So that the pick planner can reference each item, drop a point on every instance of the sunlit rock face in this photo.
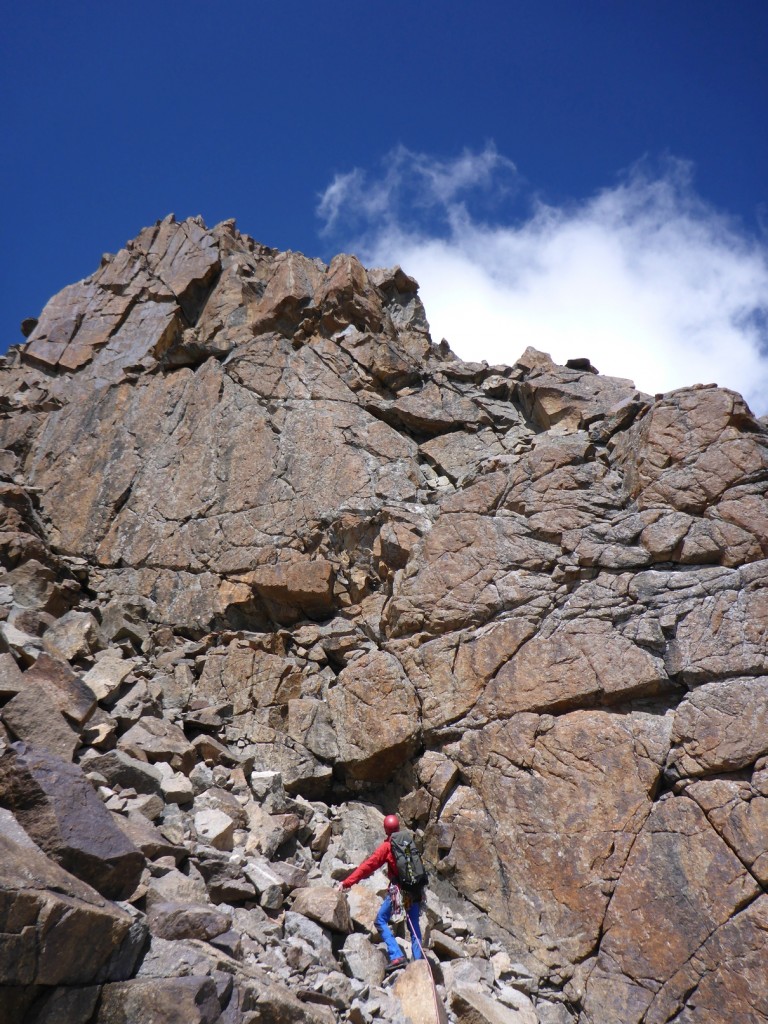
(246, 497)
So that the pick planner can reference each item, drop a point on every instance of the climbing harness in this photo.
(396, 898)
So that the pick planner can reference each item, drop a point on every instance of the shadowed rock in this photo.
(56, 929)
(60, 810)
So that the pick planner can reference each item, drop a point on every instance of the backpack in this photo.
(411, 873)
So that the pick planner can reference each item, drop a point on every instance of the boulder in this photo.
(147, 838)
(363, 907)
(141, 700)
(176, 886)
(277, 1005)
(69, 692)
(208, 748)
(444, 946)
(297, 588)
(75, 1005)
(268, 832)
(170, 1000)
(119, 769)
(327, 907)
(299, 928)
(156, 739)
(187, 921)
(433, 410)
(177, 788)
(59, 809)
(363, 960)
(473, 1006)
(215, 828)
(469, 972)
(374, 710)
(73, 637)
(268, 884)
(11, 680)
(293, 876)
(100, 731)
(569, 399)
(39, 586)
(416, 995)
(25, 648)
(57, 929)
(32, 717)
(267, 788)
(224, 877)
(107, 675)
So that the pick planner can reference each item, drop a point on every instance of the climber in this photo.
(411, 901)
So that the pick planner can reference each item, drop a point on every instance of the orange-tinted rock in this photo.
(376, 716)
(740, 816)
(726, 634)
(553, 396)
(451, 672)
(155, 739)
(69, 693)
(681, 883)
(297, 588)
(328, 907)
(724, 982)
(561, 484)
(721, 727)
(191, 1000)
(696, 451)
(133, 308)
(579, 662)
(466, 570)
(542, 833)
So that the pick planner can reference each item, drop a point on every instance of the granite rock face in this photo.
(272, 563)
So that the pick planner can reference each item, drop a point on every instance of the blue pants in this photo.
(414, 928)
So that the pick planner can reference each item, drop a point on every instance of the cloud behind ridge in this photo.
(644, 278)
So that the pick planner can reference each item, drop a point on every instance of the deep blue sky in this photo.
(114, 115)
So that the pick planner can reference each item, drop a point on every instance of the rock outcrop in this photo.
(273, 563)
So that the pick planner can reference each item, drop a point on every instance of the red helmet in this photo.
(391, 824)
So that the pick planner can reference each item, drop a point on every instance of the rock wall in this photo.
(275, 562)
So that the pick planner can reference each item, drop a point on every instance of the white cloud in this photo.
(410, 183)
(644, 278)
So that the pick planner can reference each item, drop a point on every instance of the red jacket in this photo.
(381, 855)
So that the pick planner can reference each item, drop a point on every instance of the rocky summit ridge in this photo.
(273, 563)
